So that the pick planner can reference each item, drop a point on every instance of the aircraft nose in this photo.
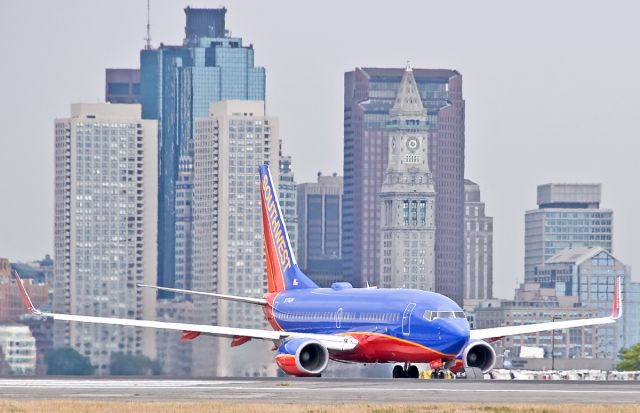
(456, 334)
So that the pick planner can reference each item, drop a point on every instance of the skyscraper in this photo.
(320, 229)
(568, 216)
(177, 85)
(122, 86)
(369, 95)
(229, 145)
(184, 223)
(407, 197)
(478, 245)
(105, 228)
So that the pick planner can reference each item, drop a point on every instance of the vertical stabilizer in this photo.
(283, 272)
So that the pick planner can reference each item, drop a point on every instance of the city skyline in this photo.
(541, 106)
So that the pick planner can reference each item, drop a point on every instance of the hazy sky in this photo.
(552, 92)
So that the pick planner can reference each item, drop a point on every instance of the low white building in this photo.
(19, 349)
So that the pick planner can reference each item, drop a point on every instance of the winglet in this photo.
(26, 300)
(616, 313)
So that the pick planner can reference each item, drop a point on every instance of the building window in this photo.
(414, 213)
(423, 213)
(405, 213)
(388, 212)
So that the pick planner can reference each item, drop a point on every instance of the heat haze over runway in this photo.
(323, 390)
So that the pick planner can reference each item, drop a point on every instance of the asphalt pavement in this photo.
(323, 390)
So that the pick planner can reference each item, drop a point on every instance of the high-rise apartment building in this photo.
(228, 248)
(122, 86)
(184, 224)
(287, 194)
(407, 197)
(478, 245)
(319, 251)
(177, 85)
(568, 216)
(105, 228)
(369, 96)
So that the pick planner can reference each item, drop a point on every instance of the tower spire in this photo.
(148, 38)
(408, 103)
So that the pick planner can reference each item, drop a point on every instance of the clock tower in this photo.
(407, 197)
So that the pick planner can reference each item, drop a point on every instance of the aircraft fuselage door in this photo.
(339, 318)
(406, 319)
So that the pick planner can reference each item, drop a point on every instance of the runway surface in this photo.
(308, 391)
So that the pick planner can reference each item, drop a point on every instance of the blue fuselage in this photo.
(397, 322)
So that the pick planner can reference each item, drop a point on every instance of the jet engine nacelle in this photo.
(479, 354)
(302, 357)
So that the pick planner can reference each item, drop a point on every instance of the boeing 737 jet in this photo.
(312, 325)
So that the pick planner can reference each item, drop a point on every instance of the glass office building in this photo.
(589, 274)
(568, 216)
(177, 84)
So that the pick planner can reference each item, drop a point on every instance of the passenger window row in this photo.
(345, 316)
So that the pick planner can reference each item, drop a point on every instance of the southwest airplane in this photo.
(356, 325)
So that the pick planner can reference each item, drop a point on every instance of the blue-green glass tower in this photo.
(177, 84)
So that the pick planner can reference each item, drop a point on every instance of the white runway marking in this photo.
(247, 386)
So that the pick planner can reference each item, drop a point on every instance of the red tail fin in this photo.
(283, 272)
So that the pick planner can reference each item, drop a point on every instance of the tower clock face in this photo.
(413, 144)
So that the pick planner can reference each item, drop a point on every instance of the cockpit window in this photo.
(432, 315)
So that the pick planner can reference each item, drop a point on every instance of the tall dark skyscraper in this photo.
(320, 229)
(369, 96)
(177, 85)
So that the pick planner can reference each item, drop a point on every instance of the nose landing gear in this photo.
(406, 372)
(438, 374)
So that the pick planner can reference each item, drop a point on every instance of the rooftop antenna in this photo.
(148, 38)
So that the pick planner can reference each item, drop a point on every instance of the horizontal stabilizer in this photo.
(250, 300)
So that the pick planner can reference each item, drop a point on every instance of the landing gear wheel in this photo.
(398, 372)
(439, 374)
(413, 372)
(473, 373)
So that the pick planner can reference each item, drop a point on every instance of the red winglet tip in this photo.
(28, 305)
(616, 313)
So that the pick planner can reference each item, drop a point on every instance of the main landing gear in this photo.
(406, 372)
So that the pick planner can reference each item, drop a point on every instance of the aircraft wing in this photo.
(250, 300)
(332, 342)
(497, 333)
